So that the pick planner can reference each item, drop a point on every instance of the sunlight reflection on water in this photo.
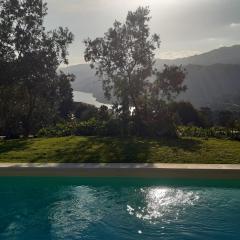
(164, 204)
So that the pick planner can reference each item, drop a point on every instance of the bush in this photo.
(216, 132)
(59, 130)
(83, 128)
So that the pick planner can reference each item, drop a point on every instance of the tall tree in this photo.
(33, 54)
(124, 60)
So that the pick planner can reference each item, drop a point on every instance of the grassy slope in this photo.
(94, 149)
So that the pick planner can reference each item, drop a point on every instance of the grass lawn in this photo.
(95, 149)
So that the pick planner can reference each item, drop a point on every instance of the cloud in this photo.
(234, 25)
(178, 54)
(91, 6)
(186, 27)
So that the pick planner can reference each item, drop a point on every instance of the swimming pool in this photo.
(118, 208)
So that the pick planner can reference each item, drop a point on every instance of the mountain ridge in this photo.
(234, 49)
(212, 77)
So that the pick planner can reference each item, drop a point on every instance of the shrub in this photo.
(217, 132)
(90, 127)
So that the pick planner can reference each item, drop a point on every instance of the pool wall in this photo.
(158, 170)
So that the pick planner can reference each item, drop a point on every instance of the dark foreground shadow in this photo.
(105, 150)
(98, 150)
(120, 150)
(186, 144)
(13, 145)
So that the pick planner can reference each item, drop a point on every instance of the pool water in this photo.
(115, 208)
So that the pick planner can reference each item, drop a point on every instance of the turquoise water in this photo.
(114, 209)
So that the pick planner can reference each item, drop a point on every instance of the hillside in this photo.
(223, 55)
(215, 86)
(213, 78)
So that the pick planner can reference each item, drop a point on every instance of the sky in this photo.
(186, 27)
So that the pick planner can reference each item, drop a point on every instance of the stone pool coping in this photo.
(146, 170)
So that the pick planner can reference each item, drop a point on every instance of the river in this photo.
(88, 98)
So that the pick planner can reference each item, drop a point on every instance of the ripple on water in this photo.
(75, 213)
(163, 204)
(117, 211)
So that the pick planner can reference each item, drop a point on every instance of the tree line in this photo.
(35, 98)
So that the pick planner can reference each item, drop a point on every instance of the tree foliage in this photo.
(124, 60)
(32, 92)
(186, 114)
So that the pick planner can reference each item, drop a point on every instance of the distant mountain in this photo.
(223, 55)
(213, 78)
(215, 86)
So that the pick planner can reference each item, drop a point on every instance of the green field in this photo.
(95, 149)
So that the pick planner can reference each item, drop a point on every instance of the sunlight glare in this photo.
(162, 203)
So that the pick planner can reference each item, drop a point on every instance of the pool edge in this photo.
(146, 170)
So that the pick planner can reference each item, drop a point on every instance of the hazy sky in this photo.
(186, 27)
